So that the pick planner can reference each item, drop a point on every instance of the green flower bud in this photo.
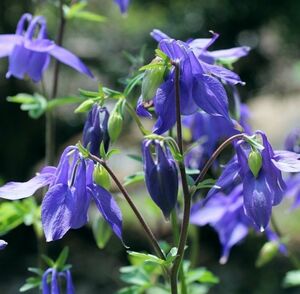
(267, 253)
(115, 122)
(85, 106)
(101, 177)
(153, 78)
(255, 162)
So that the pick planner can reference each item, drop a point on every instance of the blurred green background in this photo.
(272, 73)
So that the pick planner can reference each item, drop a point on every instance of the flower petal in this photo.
(57, 207)
(19, 190)
(70, 59)
(7, 44)
(108, 208)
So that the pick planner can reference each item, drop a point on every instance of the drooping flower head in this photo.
(3, 244)
(260, 172)
(95, 129)
(29, 50)
(53, 286)
(161, 175)
(71, 190)
(226, 214)
(199, 81)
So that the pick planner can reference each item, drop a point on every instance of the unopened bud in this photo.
(153, 78)
(255, 162)
(267, 253)
(101, 177)
(115, 122)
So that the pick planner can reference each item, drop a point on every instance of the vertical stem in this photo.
(185, 188)
(50, 117)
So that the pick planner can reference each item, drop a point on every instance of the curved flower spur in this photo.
(29, 50)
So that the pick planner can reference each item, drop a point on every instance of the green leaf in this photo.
(88, 94)
(90, 16)
(201, 275)
(135, 178)
(132, 83)
(62, 258)
(208, 183)
(147, 257)
(292, 279)
(84, 152)
(112, 152)
(48, 260)
(267, 253)
(35, 104)
(131, 290)
(63, 101)
(102, 232)
(134, 275)
(135, 157)
(36, 270)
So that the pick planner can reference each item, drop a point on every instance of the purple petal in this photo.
(39, 45)
(287, 161)
(7, 44)
(70, 286)
(123, 4)
(158, 35)
(54, 282)
(210, 96)
(3, 244)
(236, 52)
(211, 213)
(108, 208)
(70, 59)
(19, 190)
(141, 110)
(57, 207)
(18, 61)
(80, 197)
(45, 285)
(165, 107)
(257, 200)
(223, 73)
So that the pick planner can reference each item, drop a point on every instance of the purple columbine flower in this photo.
(96, 130)
(53, 286)
(200, 86)
(29, 50)
(161, 175)
(293, 189)
(123, 5)
(265, 187)
(71, 190)
(225, 213)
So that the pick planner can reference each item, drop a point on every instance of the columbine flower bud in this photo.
(115, 122)
(153, 78)
(255, 162)
(101, 177)
(96, 129)
(161, 176)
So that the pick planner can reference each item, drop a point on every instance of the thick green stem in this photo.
(185, 189)
(136, 119)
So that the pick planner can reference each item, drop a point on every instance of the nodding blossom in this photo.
(29, 50)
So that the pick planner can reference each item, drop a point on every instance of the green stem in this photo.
(185, 188)
(195, 248)
(136, 119)
(50, 117)
(140, 218)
